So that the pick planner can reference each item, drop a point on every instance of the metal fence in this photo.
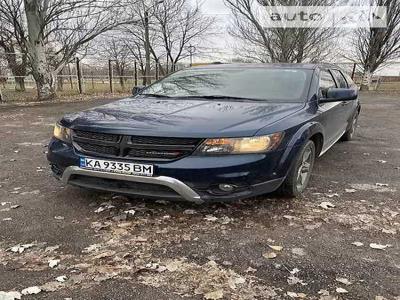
(105, 76)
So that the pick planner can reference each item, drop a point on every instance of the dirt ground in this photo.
(76, 244)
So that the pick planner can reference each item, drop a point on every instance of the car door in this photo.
(347, 110)
(331, 112)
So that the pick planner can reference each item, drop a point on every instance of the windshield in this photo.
(274, 84)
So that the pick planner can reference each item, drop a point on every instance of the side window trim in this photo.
(333, 76)
(319, 81)
(343, 77)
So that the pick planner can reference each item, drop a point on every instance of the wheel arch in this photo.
(318, 140)
(309, 131)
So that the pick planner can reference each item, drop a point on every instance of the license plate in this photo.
(116, 167)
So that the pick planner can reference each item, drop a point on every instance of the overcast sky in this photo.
(222, 43)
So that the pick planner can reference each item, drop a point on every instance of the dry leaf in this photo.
(379, 246)
(326, 205)
(276, 248)
(296, 295)
(323, 292)
(218, 294)
(389, 231)
(341, 291)
(10, 295)
(51, 286)
(358, 244)
(270, 255)
(53, 263)
(130, 212)
(344, 281)
(62, 278)
(210, 218)
(33, 290)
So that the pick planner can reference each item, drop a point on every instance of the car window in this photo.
(326, 81)
(340, 78)
(349, 80)
(270, 84)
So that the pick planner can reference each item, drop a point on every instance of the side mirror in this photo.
(137, 89)
(340, 94)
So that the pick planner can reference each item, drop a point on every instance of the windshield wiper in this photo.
(223, 97)
(155, 95)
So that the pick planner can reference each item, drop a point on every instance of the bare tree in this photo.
(277, 44)
(13, 40)
(181, 25)
(65, 26)
(376, 46)
(136, 32)
(118, 52)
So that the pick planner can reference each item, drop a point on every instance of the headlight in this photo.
(257, 144)
(62, 133)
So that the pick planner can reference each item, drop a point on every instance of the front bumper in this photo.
(193, 178)
(112, 182)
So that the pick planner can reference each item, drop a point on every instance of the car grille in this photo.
(137, 147)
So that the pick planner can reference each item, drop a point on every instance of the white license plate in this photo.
(116, 167)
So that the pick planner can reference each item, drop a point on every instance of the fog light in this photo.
(226, 187)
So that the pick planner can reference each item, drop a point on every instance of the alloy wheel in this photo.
(304, 170)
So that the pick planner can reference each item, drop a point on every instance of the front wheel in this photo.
(300, 172)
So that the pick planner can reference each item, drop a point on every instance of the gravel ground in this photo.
(263, 248)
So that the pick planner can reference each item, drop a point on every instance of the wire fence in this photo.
(82, 77)
(107, 76)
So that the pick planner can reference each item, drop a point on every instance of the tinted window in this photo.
(340, 79)
(350, 81)
(256, 83)
(326, 81)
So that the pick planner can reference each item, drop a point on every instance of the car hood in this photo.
(180, 118)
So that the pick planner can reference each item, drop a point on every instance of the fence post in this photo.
(136, 74)
(157, 70)
(79, 73)
(70, 76)
(110, 75)
(354, 71)
(92, 81)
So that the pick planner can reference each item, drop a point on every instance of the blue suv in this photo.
(218, 132)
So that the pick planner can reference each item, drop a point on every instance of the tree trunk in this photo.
(41, 70)
(366, 80)
(20, 84)
(17, 69)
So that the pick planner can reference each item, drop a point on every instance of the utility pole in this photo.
(191, 51)
(147, 79)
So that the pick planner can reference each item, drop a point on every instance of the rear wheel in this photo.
(300, 172)
(349, 134)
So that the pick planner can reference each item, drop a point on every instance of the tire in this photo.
(349, 134)
(293, 185)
